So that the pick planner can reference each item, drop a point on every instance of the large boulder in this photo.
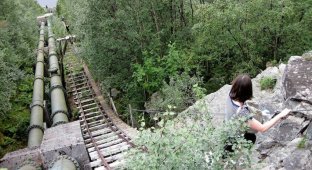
(288, 144)
(289, 157)
(297, 79)
(213, 103)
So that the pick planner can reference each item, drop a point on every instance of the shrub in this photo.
(267, 83)
(190, 143)
(302, 143)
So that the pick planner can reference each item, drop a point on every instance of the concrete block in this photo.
(15, 159)
(64, 139)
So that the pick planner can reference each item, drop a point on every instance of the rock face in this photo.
(288, 144)
(297, 80)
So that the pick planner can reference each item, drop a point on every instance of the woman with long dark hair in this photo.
(241, 91)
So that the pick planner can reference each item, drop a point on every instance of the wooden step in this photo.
(104, 145)
(110, 150)
(98, 138)
(98, 162)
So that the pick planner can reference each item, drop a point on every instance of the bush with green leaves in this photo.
(242, 36)
(58, 28)
(125, 43)
(190, 142)
(182, 91)
(19, 34)
(302, 143)
(267, 83)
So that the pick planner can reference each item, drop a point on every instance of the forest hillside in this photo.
(171, 52)
(157, 59)
(18, 41)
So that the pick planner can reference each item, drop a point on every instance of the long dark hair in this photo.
(241, 88)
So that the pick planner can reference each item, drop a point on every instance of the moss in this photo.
(75, 112)
(302, 143)
(267, 83)
(307, 56)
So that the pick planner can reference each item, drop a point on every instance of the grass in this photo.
(302, 143)
(267, 83)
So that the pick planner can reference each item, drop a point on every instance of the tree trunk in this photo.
(171, 17)
(182, 16)
(154, 14)
(192, 11)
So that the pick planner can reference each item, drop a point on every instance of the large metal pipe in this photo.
(59, 112)
(29, 165)
(35, 128)
(64, 162)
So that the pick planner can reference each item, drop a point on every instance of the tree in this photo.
(19, 38)
(127, 44)
(243, 36)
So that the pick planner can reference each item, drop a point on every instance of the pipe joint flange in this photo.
(52, 53)
(59, 111)
(36, 103)
(57, 87)
(30, 163)
(39, 61)
(53, 69)
(51, 36)
(35, 126)
(60, 157)
(52, 75)
(38, 77)
(39, 50)
(59, 123)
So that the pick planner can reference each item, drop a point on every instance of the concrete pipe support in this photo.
(36, 129)
(29, 165)
(59, 112)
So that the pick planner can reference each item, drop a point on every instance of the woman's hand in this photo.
(284, 113)
(256, 125)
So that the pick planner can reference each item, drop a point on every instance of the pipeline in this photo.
(59, 112)
(64, 162)
(35, 129)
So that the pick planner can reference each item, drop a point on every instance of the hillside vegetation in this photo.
(165, 52)
(19, 38)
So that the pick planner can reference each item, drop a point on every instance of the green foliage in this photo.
(190, 143)
(19, 38)
(267, 83)
(302, 143)
(58, 28)
(182, 91)
(138, 46)
(242, 36)
(155, 69)
(161, 48)
(5, 90)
